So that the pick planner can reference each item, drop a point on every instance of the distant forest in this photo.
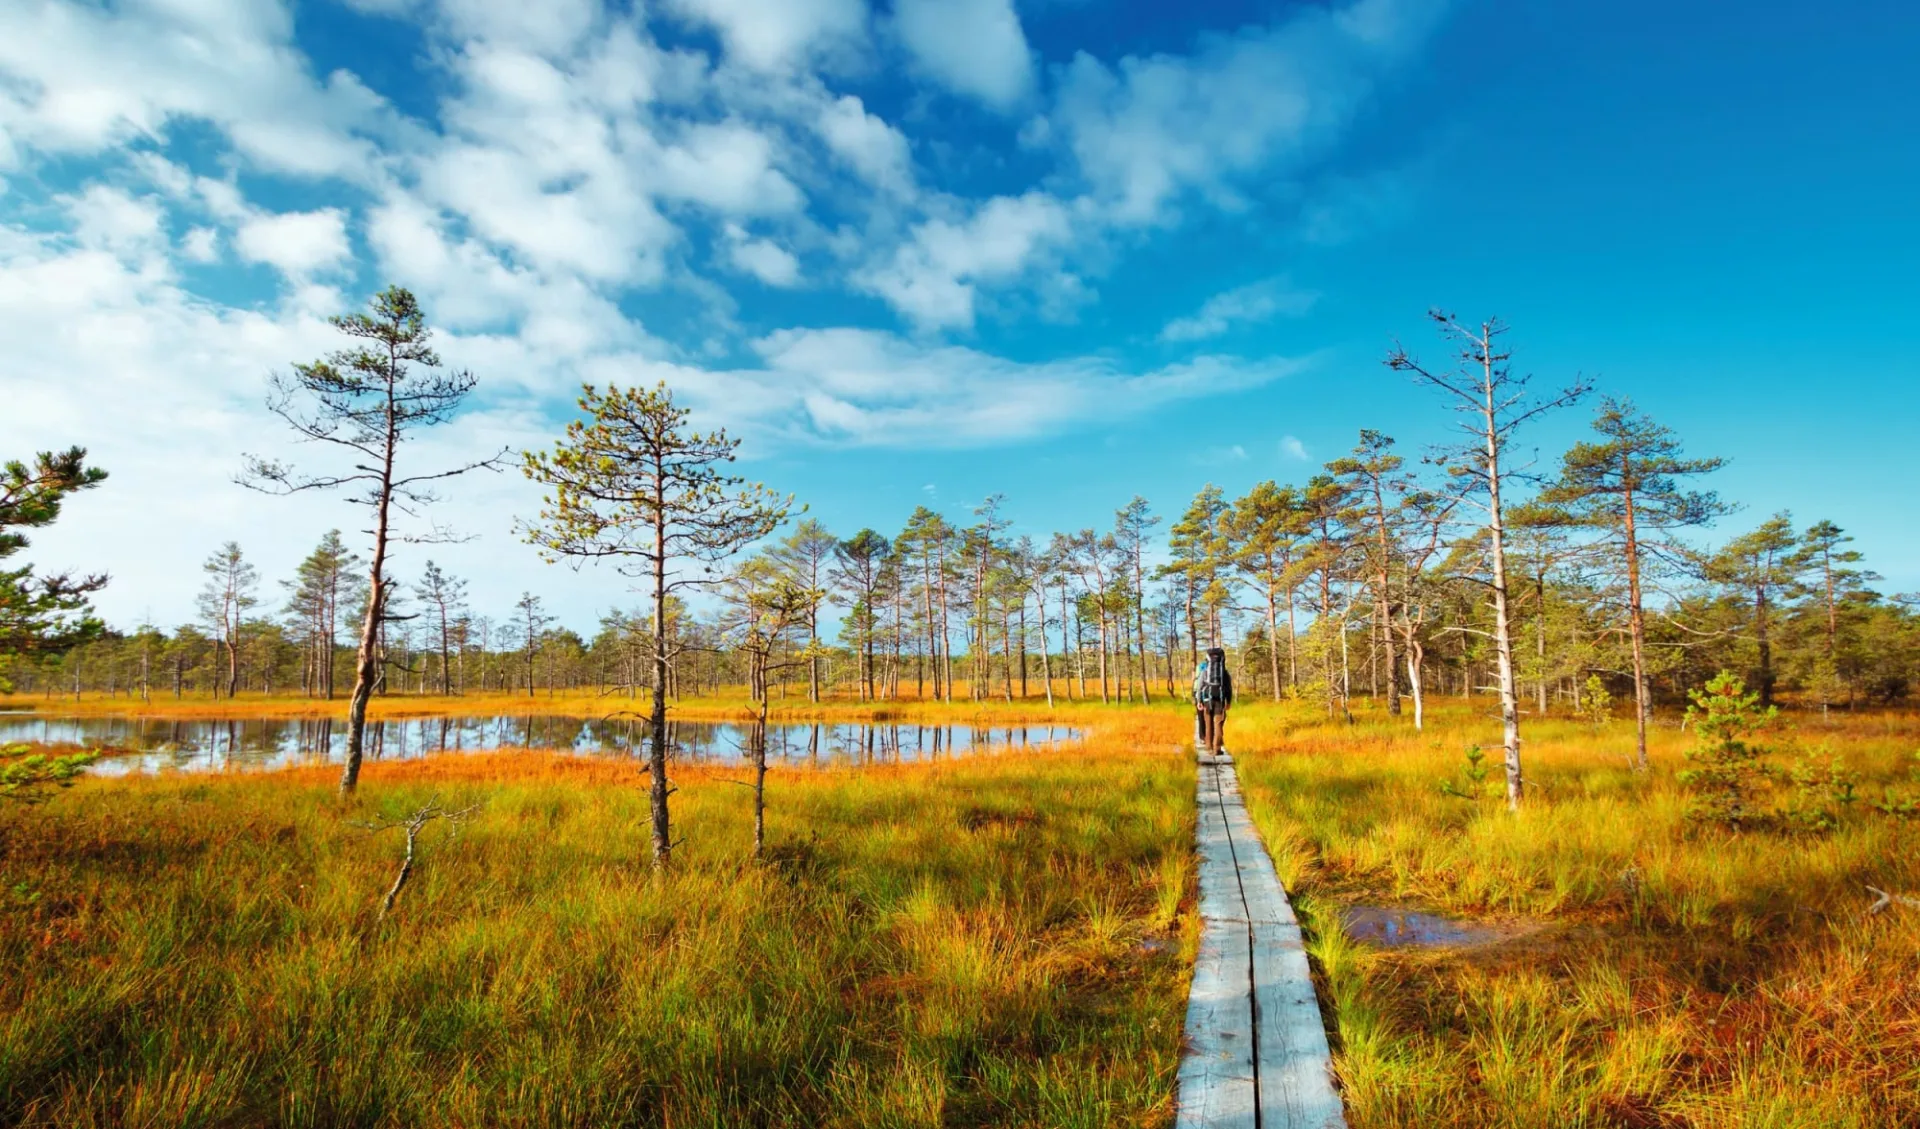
(941, 609)
(1574, 584)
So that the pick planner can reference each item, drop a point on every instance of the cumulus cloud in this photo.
(571, 170)
(762, 258)
(200, 245)
(878, 151)
(109, 219)
(295, 243)
(85, 77)
(776, 34)
(931, 278)
(1292, 448)
(972, 47)
(1245, 305)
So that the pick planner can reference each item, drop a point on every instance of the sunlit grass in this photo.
(956, 944)
(1681, 976)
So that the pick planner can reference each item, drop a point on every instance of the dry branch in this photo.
(413, 825)
(1884, 900)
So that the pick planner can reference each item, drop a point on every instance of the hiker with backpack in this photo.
(1212, 695)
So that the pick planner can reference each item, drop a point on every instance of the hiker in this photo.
(1212, 695)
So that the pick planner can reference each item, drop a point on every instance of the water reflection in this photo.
(151, 744)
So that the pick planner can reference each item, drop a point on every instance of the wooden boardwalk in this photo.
(1257, 1054)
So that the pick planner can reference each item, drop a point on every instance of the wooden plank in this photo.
(1219, 873)
(1260, 887)
(1216, 1074)
(1294, 1063)
(1216, 1085)
(1257, 1051)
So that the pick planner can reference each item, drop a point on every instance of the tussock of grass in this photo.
(946, 945)
(1686, 976)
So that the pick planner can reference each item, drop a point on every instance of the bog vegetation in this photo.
(1665, 740)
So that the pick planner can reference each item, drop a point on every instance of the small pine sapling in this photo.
(1475, 775)
(1824, 789)
(31, 778)
(1728, 770)
(1596, 703)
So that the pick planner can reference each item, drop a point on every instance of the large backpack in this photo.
(1212, 690)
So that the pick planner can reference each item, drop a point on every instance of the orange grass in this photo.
(1679, 976)
(948, 944)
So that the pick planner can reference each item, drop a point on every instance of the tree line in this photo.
(1457, 573)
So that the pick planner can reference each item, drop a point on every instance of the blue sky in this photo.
(918, 251)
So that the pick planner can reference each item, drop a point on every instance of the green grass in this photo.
(951, 945)
(1676, 976)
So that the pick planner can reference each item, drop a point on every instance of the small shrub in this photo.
(31, 778)
(1902, 803)
(1596, 704)
(1823, 789)
(1476, 777)
(1729, 771)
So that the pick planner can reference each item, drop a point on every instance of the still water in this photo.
(153, 744)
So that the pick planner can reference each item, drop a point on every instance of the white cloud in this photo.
(79, 78)
(1246, 305)
(563, 178)
(201, 245)
(931, 278)
(295, 243)
(1259, 102)
(108, 219)
(876, 150)
(553, 27)
(762, 258)
(728, 167)
(972, 47)
(1292, 448)
(166, 390)
(867, 388)
(776, 34)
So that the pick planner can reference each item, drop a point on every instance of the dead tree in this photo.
(1494, 404)
(413, 825)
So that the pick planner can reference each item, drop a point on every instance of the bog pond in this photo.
(151, 744)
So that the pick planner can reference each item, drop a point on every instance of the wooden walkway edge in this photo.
(1257, 1055)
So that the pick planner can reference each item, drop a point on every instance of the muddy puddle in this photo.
(1396, 927)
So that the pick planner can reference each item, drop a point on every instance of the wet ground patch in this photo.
(1400, 927)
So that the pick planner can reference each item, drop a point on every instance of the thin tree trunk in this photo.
(366, 659)
(657, 738)
(1636, 628)
(1502, 623)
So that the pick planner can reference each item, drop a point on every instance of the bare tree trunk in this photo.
(1416, 657)
(1540, 642)
(760, 782)
(1046, 659)
(1502, 623)
(366, 659)
(657, 738)
(1636, 628)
